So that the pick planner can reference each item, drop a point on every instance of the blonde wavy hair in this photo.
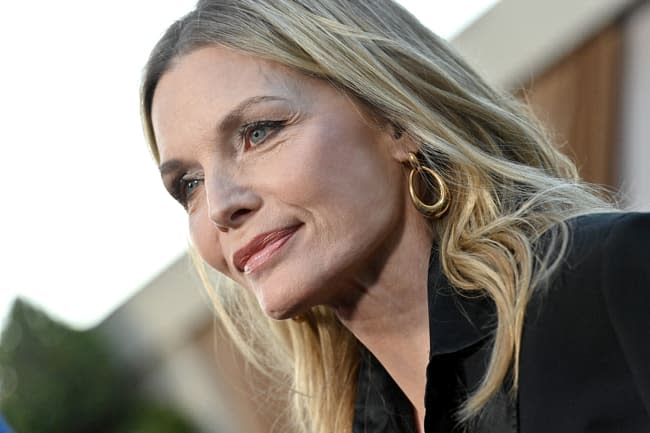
(509, 183)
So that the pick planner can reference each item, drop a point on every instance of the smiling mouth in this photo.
(261, 248)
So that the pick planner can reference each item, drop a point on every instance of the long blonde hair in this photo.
(509, 183)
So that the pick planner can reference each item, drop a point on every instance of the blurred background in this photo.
(105, 327)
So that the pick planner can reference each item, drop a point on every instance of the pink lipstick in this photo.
(261, 248)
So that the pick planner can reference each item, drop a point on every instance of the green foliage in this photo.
(53, 378)
(148, 418)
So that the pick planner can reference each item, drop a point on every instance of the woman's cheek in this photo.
(205, 239)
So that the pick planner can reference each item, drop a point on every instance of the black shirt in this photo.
(585, 354)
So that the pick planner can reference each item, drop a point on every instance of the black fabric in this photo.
(381, 406)
(460, 329)
(585, 355)
(455, 321)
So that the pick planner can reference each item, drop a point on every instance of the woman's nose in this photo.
(230, 205)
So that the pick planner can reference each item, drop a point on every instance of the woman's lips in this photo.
(261, 248)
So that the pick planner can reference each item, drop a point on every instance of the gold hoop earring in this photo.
(300, 318)
(441, 206)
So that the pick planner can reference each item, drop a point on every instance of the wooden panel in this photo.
(578, 99)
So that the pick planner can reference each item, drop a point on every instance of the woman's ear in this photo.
(398, 131)
(402, 144)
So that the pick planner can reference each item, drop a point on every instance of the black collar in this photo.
(457, 319)
(456, 322)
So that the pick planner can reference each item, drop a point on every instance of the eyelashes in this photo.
(250, 135)
(255, 133)
(184, 186)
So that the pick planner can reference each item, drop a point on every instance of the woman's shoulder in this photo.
(609, 244)
(609, 232)
(607, 258)
(609, 252)
(586, 335)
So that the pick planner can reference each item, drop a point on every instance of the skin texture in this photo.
(320, 163)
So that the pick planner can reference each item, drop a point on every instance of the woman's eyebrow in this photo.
(234, 116)
(169, 166)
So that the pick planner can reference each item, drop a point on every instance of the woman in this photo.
(442, 262)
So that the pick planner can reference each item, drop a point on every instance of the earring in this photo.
(437, 209)
(300, 318)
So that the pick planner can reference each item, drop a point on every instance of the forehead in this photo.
(212, 80)
(227, 71)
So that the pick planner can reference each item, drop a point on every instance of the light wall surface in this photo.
(635, 117)
(518, 38)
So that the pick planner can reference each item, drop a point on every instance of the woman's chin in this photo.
(281, 309)
(279, 312)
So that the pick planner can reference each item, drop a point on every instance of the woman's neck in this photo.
(389, 313)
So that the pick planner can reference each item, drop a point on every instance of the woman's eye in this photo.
(185, 188)
(190, 186)
(255, 133)
(258, 134)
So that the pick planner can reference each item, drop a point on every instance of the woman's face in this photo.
(291, 188)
